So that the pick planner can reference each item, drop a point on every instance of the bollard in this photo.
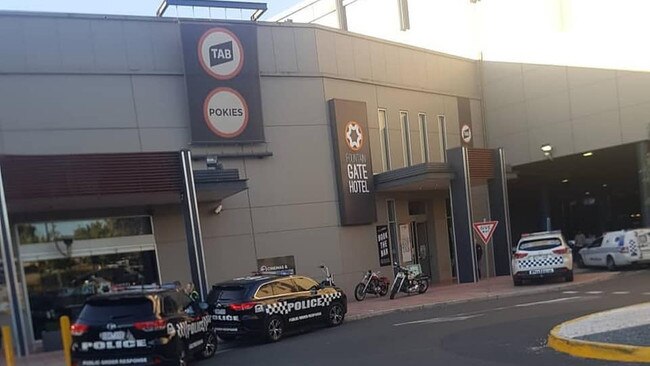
(66, 339)
(8, 346)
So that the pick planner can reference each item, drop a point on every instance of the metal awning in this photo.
(427, 176)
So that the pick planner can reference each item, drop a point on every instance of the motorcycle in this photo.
(371, 284)
(329, 279)
(408, 284)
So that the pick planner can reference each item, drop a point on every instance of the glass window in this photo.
(123, 309)
(283, 287)
(406, 138)
(45, 232)
(442, 127)
(170, 306)
(265, 291)
(304, 283)
(227, 293)
(392, 229)
(182, 300)
(404, 21)
(539, 244)
(384, 140)
(424, 137)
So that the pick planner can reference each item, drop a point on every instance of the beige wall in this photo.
(574, 109)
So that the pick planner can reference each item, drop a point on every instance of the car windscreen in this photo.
(539, 244)
(101, 311)
(227, 294)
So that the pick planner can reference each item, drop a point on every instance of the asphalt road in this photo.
(508, 331)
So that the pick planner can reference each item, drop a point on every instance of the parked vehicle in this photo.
(617, 248)
(408, 282)
(371, 284)
(542, 255)
(329, 279)
(271, 305)
(151, 325)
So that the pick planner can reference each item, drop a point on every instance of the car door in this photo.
(593, 255)
(285, 292)
(196, 322)
(313, 307)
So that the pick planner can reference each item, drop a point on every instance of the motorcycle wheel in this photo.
(424, 286)
(393, 291)
(383, 289)
(359, 292)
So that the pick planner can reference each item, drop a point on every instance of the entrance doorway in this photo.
(421, 249)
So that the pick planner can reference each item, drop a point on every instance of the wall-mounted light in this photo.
(587, 154)
(217, 210)
(547, 149)
(565, 180)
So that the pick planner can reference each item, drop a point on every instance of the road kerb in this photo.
(537, 291)
(598, 350)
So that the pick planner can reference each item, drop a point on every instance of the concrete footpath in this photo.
(616, 335)
(438, 295)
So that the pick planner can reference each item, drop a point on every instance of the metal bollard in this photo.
(8, 346)
(66, 339)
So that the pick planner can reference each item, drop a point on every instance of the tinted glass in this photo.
(265, 291)
(304, 284)
(182, 300)
(227, 293)
(283, 287)
(170, 306)
(116, 310)
(539, 244)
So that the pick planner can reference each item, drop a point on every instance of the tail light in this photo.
(519, 255)
(151, 326)
(78, 329)
(242, 307)
(623, 250)
(561, 251)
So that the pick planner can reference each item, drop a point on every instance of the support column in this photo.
(461, 208)
(11, 275)
(193, 227)
(499, 211)
(644, 181)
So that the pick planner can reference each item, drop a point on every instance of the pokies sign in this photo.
(353, 162)
(223, 86)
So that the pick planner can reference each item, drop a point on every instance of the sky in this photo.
(122, 7)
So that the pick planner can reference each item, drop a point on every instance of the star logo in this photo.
(353, 136)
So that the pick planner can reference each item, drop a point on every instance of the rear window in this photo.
(116, 310)
(227, 294)
(540, 244)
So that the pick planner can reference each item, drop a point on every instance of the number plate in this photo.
(112, 336)
(541, 271)
(220, 311)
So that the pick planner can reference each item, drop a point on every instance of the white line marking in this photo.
(594, 292)
(547, 301)
(620, 292)
(569, 292)
(440, 320)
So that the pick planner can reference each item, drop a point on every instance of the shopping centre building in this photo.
(156, 149)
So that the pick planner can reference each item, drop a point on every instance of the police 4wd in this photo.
(542, 255)
(269, 306)
(147, 326)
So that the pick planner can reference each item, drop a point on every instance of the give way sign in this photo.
(485, 230)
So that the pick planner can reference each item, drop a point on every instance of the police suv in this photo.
(542, 255)
(144, 326)
(270, 305)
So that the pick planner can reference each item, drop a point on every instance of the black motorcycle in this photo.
(407, 283)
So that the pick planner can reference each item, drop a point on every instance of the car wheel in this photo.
(210, 346)
(335, 315)
(517, 281)
(611, 265)
(569, 277)
(274, 329)
(359, 292)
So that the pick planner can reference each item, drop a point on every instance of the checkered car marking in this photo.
(282, 308)
(535, 262)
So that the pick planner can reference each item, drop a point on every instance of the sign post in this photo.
(485, 230)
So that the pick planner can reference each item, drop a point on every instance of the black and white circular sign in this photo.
(221, 54)
(466, 134)
(225, 112)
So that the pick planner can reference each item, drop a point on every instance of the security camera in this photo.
(218, 209)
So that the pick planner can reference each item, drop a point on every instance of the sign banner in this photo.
(465, 122)
(278, 265)
(223, 82)
(485, 230)
(353, 162)
(382, 245)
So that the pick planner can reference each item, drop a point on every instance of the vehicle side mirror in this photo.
(314, 289)
(203, 306)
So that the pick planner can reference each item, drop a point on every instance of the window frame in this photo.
(384, 138)
(442, 127)
(424, 137)
(407, 146)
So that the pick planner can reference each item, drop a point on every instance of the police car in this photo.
(270, 305)
(145, 326)
(542, 255)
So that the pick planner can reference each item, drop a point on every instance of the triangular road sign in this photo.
(485, 230)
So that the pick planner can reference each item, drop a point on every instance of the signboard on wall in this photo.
(465, 122)
(383, 245)
(279, 265)
(223, 82)
(405, 242)
(353, 162)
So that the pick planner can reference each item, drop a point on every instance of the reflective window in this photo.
(265, 291)
(304, 283)
(424, 137)
(406, 138)
(283, 287)
(384, 140)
